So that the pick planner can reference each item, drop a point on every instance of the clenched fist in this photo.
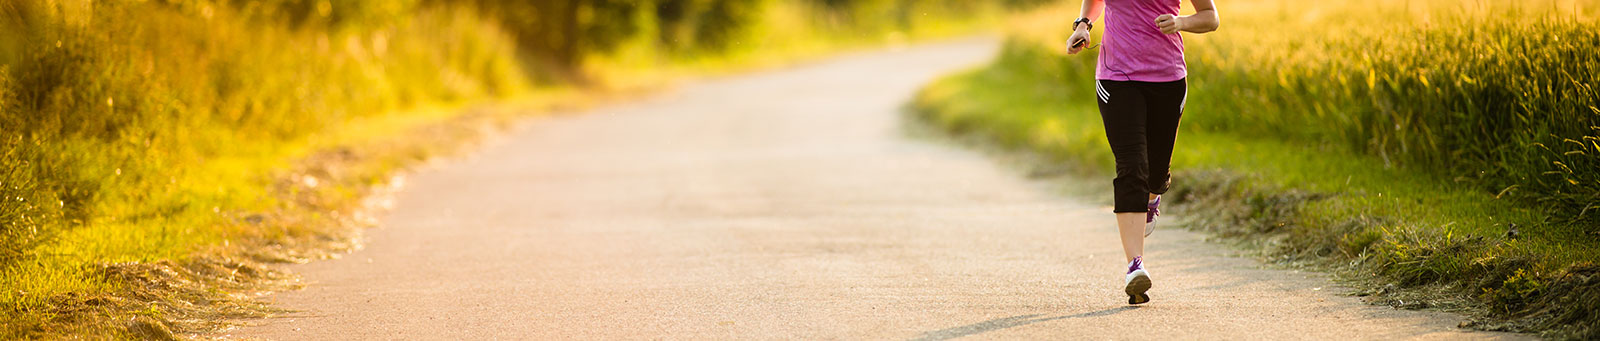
(1169, 24)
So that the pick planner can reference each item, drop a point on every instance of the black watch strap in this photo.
(1084, 21)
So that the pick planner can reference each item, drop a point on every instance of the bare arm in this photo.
(1203, 20)
(1092, 10)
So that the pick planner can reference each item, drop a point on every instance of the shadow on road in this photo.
(1008, 322)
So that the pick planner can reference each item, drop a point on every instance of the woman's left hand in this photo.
(1168, 23)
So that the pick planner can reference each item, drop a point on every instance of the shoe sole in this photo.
(1137, 288)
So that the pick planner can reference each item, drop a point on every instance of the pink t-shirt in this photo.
(1134, 49)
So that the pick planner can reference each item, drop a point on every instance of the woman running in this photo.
(1140, 84)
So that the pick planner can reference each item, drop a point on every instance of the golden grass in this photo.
(1403, 147)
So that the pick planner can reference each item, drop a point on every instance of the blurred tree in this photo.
(672, 18)
(334, 13)
(723, 20)
(706, 25)
(556, 34)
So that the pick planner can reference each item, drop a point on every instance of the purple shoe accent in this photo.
(1138, 263)
(1150, 216)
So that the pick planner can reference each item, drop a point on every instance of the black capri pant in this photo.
(1141, 120)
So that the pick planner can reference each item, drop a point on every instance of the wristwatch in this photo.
(1084, 21)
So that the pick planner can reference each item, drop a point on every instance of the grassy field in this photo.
(157, 153)
(137, 134)
(1435, 155)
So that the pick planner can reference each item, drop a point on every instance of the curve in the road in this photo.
(784, 205)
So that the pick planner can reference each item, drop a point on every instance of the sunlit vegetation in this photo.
(135, 134)
(1429, 145)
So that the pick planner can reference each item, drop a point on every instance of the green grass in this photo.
(1290, 169)
(136, 134)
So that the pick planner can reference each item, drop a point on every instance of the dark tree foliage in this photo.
(333, 13)
(719, 25)
(557, 34)
(672, 18)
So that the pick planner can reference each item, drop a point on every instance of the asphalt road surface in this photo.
(787, 204)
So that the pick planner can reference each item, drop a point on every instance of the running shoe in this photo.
(1150, 216)
(1138, 282)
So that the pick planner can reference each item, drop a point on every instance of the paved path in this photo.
(784, 205)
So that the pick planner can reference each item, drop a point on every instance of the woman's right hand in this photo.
(1078, 41)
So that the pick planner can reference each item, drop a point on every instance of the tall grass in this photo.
(134, 131)
(1428, 145)
(104, 114)
(1436, 87)
(1509, 106)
